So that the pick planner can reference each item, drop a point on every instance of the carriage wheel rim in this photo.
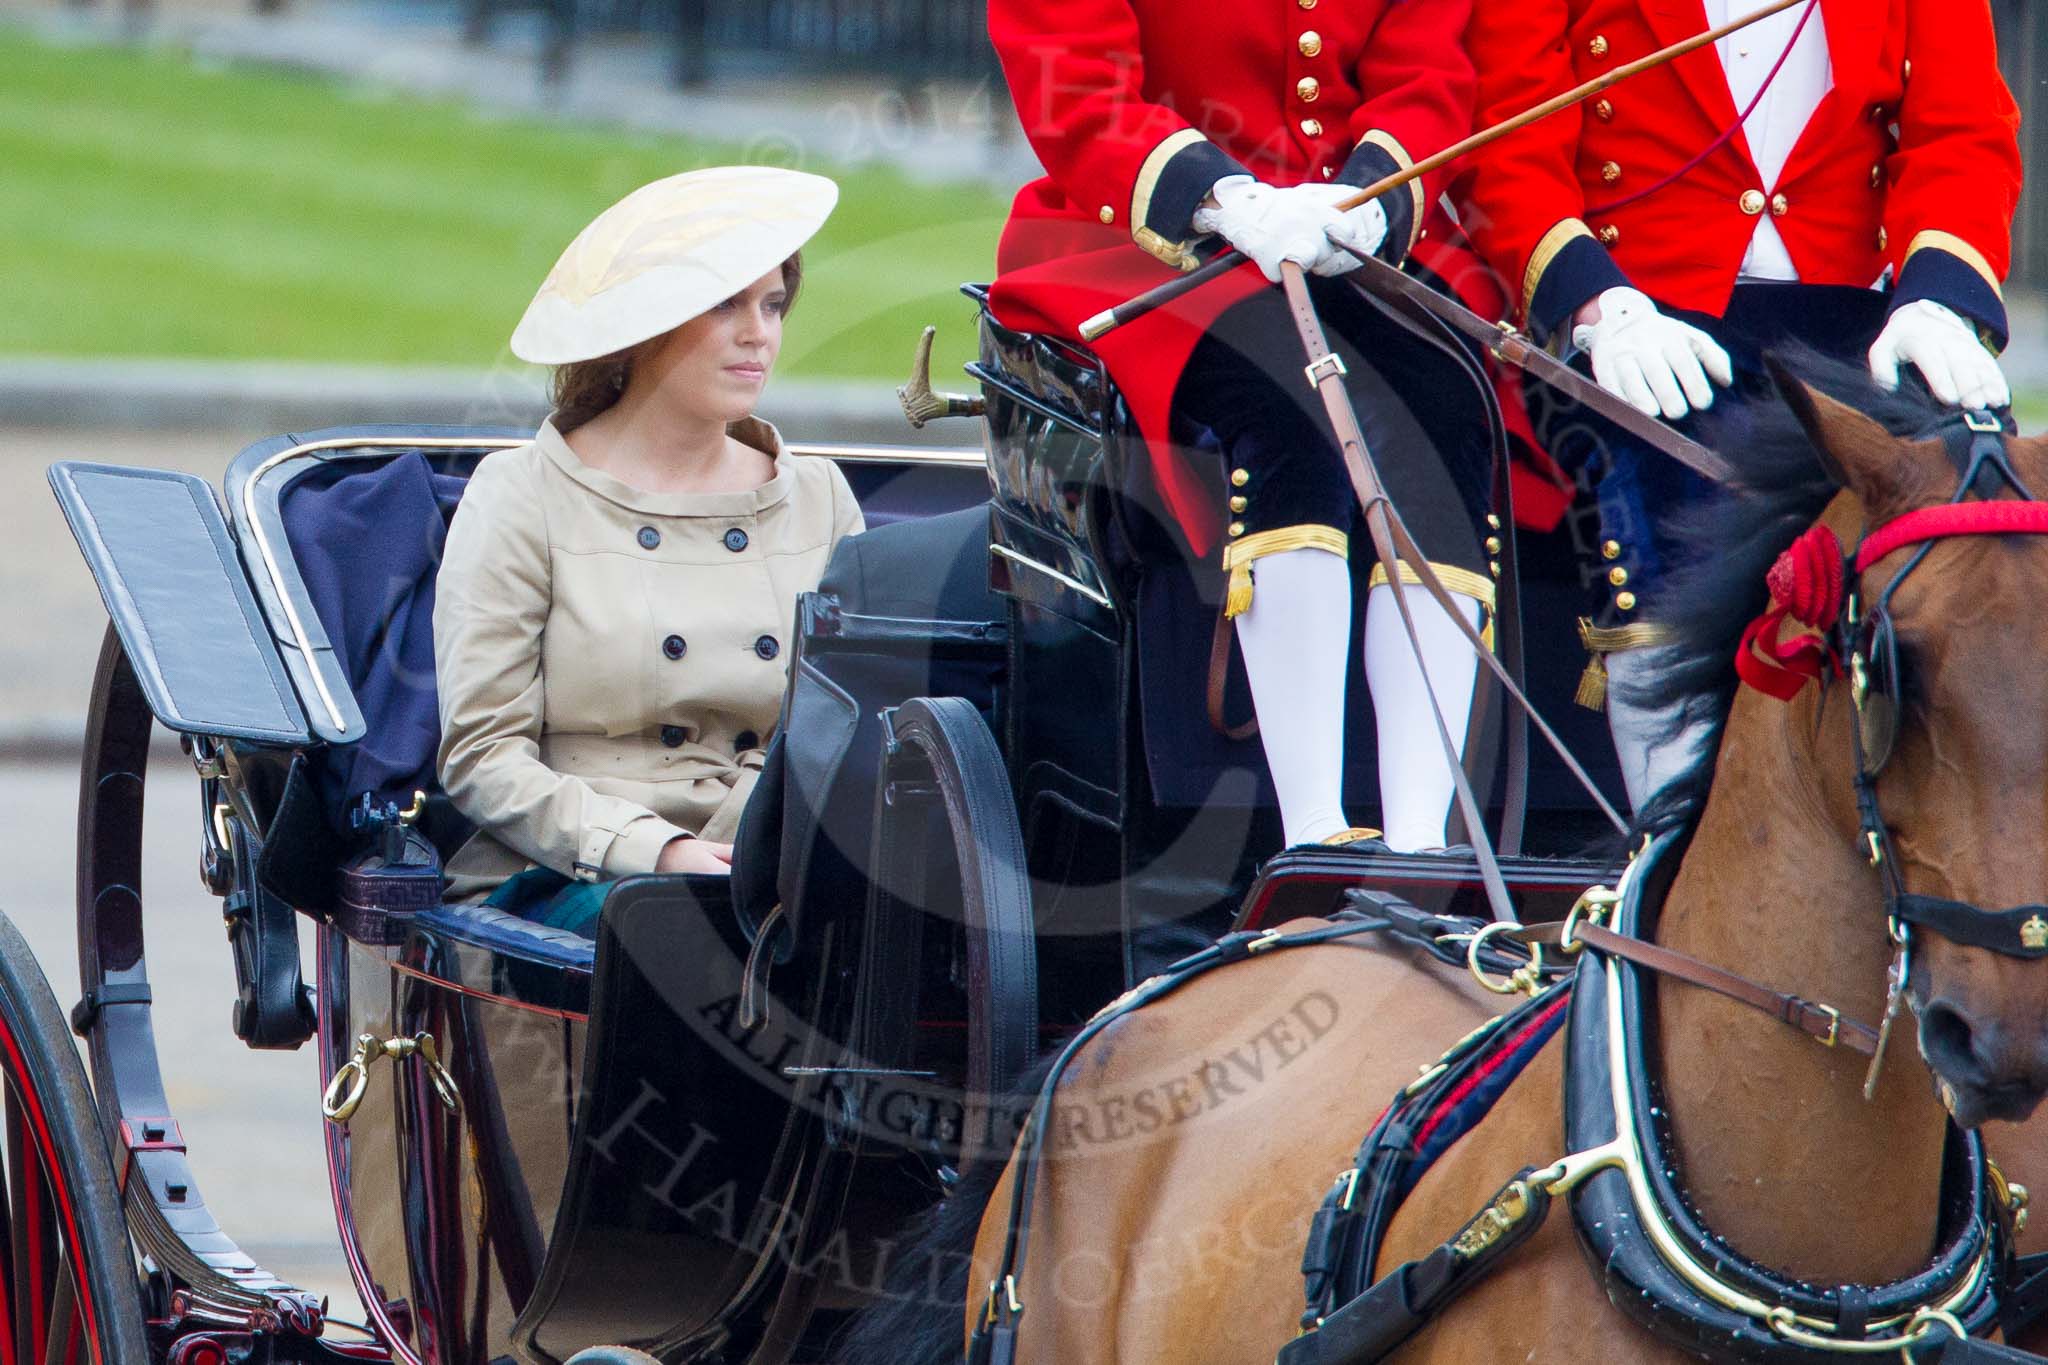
(71, 1262)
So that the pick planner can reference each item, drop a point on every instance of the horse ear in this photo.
(1857, 452)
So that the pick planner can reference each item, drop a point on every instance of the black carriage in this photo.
(983, 816)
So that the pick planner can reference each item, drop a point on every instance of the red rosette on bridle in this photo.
(1807, 584)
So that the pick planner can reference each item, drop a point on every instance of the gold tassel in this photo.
(1593, 684)
(1238, 600)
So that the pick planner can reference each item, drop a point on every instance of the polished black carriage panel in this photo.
(693, 1189)
(444, 1203)
(166, 570)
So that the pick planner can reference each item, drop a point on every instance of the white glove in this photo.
(1960, 371)
(1354, 233)
(1652, 362)
(1268, 225)
(1361, 232)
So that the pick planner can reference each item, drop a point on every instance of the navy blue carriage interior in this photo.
(993, 803)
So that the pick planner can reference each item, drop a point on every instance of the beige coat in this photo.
(611, 662)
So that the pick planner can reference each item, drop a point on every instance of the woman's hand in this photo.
(695, 855)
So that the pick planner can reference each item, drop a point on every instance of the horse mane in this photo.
(1728, 542)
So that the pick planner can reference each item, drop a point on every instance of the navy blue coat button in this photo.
(735, 540)
(766, 647)
(649, 537)
(672, 735)
(675, 647)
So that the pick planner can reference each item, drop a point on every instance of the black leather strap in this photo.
(2021, 932)
(2027, 1299)
(1373, 1325)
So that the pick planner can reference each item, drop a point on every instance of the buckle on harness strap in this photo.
(1006, 1287)
(1982, 422)
(1834, 1034)
(1323, 367)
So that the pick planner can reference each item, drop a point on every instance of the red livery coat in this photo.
(1910, 162)
(1137, 107)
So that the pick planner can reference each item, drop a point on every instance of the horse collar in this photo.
(1670, 1272)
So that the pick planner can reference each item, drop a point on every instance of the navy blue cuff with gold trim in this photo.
(1947, 279)
(1368, 164)
(1174, 181)
(1580, 271)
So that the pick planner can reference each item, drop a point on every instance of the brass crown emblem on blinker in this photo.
(2034, 933)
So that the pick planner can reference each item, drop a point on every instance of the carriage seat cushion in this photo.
(367, 543)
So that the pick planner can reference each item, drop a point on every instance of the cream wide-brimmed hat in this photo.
(666, 253)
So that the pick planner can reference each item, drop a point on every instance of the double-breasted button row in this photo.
(675, 647)
(736, 539)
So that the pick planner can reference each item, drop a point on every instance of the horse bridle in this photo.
(1819, 584)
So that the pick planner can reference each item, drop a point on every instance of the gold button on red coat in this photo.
(1752, 202)
(1311, 127)
(1310, 43)
(1598, 47)
(1610, 234)
(1611, 172)
(1107, 215)
(1604, 111)
(1308, 89)
(1780, 206)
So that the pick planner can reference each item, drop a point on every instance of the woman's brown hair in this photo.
(582, 389)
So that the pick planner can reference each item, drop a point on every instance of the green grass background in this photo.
(152, 207)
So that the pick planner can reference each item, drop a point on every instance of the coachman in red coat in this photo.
(1842, 174)
(1167, 131)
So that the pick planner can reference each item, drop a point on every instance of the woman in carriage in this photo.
(1164, 130)
(613, 595)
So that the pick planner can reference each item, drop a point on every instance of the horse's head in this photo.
(1941, 771)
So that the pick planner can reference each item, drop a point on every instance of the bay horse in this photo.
(1192, 1139)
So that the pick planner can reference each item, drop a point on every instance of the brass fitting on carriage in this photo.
(920, 403)
(344, 1094)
